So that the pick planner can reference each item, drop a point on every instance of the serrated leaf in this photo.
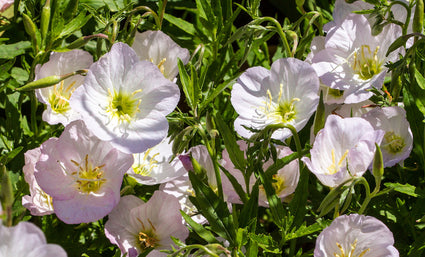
(266, 242)
(403, 188)
(12, 50)
(304, 230)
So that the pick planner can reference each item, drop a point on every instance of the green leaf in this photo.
(304, 230)
(235, 153)
(213, 208)
(13, 50)
(75, 24)
(180, 23)
(199, 229)
(266, 242)
(249, 211)
(420, 79)
(19, 74)
(403, 188)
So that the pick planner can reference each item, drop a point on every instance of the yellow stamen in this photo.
(335, 166)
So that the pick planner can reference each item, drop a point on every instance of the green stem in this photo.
(368, 196)
(279, 31)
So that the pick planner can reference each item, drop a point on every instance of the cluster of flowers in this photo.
(115, 124)
(345, 64)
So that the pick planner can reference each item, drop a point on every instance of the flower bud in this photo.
(418, 18)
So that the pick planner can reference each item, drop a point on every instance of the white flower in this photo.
(398, 139)
(285, 94)
(156, 165)
(343, 149)
(356, 236)
(38, 203)
(353, 60)
(5, 4)
(161, 50)
(136, 226)
(26, 239)
(82, 174)
(125, 101)
(57, 97)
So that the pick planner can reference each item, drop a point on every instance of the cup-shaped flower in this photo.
(285, 180)
(26, 239)
(398, 139)
(135, 226)
(125, 101)
(356, 235)
(38, 202)
(353, 60)
(57, 97)
(343, 149)
(82, 174)
(156, 165)
(285, 94)
(161, 50)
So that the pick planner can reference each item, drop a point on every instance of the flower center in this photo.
(160, 65)
(146, 164)
(59, 97)
(278, 184)
(123, 106)
(336, 165)
(147, 238)
(366, 63)
(335, 92)
(88, 178)
(393, 143)
(351, 253)
(280, 111)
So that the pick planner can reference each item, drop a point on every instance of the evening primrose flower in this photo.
(156, 165)
(355, 236)
(135, 226)
(56, 98)
(285, 94)
(125, 101)
(343, 149)
(38, 202)
(353, 60)
(26, 239)
(285, 180)
(398, 139)
(158, 48)
(81, 173)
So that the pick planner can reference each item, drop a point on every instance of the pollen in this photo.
(146, 164)
(277, 109)
(123, 106)
(59, 97)
(351, 252)
(393, 142)
(147, 237)
(160, 65)
(365, 62)
(336, 165)
(88, 178)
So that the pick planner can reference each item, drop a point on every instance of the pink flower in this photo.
(38, 202)
(26, 239)
(356, 235)
(56, 98)
(82, 174)
(343, 149)
(136, 226)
